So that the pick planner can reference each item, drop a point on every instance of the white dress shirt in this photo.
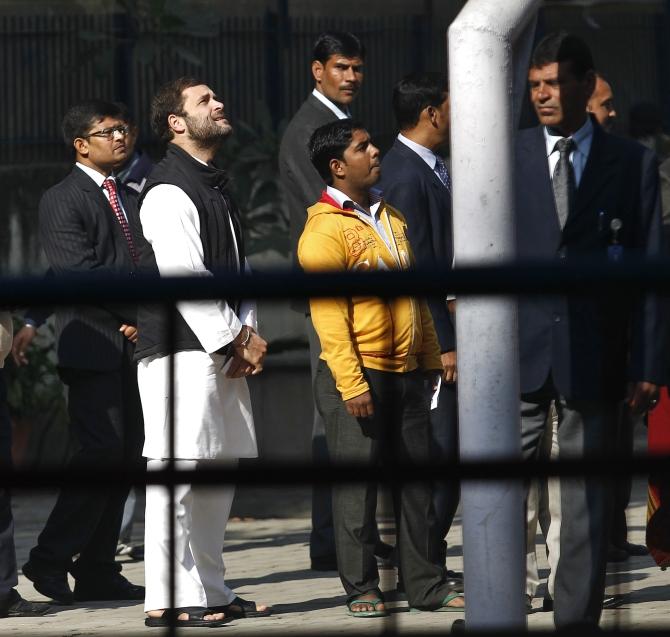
(99, 178)
(339, 113)
(583, 139)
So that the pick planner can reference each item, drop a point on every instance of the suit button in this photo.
(557, 318)
(561, 253)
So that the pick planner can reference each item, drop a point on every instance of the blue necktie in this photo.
(443, 173)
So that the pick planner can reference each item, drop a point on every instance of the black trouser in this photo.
(444, 433)
(623, 484)
(106, 420)
(8, 576)
(584, 431)
(398, 432)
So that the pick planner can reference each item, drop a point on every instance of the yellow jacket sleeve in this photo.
(318, 251)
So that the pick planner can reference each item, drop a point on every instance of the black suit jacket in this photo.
(301, 183)
(409, 185)
(81, 235)
(591, 346)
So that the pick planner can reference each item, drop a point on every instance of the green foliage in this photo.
(35, 389)
(250, 156)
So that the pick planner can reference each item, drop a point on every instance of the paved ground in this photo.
(267, 560)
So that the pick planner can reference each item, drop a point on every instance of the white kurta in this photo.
(213, 418)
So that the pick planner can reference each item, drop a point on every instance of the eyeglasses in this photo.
(108, 133)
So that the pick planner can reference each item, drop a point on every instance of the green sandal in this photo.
(444, 608)
(374, 602)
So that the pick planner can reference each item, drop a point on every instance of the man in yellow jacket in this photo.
(379, 361)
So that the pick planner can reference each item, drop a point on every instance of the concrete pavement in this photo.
(267, 560)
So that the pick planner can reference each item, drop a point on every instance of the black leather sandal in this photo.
(241, 609)
(196, 618)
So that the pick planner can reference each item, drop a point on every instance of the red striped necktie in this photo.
(110, 186)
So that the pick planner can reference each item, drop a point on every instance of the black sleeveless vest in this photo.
(205, 185)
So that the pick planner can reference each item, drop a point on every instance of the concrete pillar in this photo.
(482, 72)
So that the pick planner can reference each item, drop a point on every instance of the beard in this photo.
(206, 133)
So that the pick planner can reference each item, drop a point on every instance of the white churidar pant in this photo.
(202, 513)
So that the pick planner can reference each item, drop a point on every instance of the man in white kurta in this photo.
(212, 410)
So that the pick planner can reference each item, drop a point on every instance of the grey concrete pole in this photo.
(482, 77)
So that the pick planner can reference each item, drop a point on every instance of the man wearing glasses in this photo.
(84, 228)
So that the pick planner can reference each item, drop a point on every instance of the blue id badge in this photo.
(615, 252)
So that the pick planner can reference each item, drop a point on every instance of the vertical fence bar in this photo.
(171, 330)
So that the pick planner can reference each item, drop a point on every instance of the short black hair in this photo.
(81, 117)
(169, 100)
(562, 47)
(329, 142)
(337, 43)
(414, 93)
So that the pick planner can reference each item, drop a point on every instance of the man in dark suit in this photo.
(84, 229)
(416, 181)
(582, 193)
(337, 67)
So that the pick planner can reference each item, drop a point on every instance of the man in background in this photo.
(337, 68)
(415, 180)
(84, 228)
(582, 356)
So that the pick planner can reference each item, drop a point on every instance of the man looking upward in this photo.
(193, 228)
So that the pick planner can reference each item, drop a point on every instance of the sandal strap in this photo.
(452, 596)
(244, 604)
(193, 612)
(374, 602)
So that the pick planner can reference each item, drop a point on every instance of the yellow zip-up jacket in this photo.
(394, 335)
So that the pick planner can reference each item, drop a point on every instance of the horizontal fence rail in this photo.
(587, 277)
(578, 277)
(259, 473)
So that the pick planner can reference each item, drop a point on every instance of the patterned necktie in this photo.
(110, 186)
(443, 173)
(563, 180)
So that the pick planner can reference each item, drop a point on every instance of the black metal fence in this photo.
(583, 278)
(260, 64)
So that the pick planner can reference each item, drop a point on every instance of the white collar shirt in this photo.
(337, 111)
(371, 218)
(99, 178)
(425, 153)
(583, 139)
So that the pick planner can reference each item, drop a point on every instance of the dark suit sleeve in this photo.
(410, 199)
(301, 182)
(68, 248)
(647, 355)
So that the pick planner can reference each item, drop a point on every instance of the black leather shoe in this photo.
(111, 588)
(615, 554)
(50, 583)
(324, 564)
(455, 584)
(547, 605)
(634, 549)
(15, 606)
